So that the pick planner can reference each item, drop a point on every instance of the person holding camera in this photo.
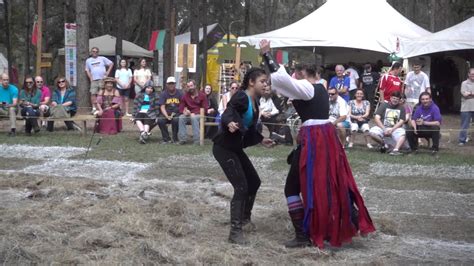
(30, 99)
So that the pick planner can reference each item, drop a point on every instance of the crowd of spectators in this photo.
(404, 113)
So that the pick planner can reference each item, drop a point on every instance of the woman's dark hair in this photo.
(120, 63)
(312, 70)
(24, 83)
(362, 90)
(251, 75)
(424, 94)
(140, 62)
(396, 65)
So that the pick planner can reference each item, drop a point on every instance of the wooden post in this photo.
(40, 38)
(202, 120)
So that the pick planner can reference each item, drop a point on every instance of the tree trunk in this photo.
(7, 36)
(195, 24)
(167, 52)
(120, 13)
(247, 18)
(204, 41)
(82, 35)
(27, 36)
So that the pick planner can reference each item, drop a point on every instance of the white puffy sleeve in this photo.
(290, 87)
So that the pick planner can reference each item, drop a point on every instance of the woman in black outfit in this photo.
(238, 131)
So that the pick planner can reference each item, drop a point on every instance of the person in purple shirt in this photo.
(341, 82)
(425, 122)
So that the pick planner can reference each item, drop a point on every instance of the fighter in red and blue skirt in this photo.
(330, 207)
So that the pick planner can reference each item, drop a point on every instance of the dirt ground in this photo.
(56, 208)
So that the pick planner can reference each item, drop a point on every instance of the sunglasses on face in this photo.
(61, 81)
(233, 88)
(39, 81)
(331, 94)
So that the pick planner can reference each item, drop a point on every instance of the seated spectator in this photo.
(389, 120)
(45, 95)
(234, 87)
(63, 104)
(339, 114)
(29, 103)
(145, 111)
(8, 102)
(426, 122)
(283, 136)
(359, 111)
(108, 107)
(211, 113)
(169, 102)
(190, 106)
(268, 111)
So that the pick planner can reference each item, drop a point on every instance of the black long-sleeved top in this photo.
(244, 137)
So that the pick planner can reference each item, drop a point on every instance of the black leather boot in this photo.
(236, 235)
(247, 224)
(301, 238)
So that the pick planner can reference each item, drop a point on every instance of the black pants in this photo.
(430, 132)
(239, 171)
(31, 118)
(163, 122)
(69, 124)
(210, 131)
(292, 186)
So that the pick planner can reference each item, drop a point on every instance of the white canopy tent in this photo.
(360, 24)
(106, 45)
(457, 37)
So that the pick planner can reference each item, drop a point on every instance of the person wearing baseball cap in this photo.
(169, 102)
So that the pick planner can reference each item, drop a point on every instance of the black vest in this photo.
(315, 108)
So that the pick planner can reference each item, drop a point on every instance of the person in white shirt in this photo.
(123, 77)
(268, 111)
(225, 98)
(339, 114)
(416, 82)
(141, 76)
(354, 82)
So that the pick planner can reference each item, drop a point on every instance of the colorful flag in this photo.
(281, 57)
(157, 40)
(34, 35)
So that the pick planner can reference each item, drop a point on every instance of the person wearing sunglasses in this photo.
(63, 104)
(45, 94)
(29, 103)
(8, 102)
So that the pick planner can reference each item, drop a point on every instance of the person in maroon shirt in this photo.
(189, 107)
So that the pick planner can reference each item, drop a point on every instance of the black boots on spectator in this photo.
(236, 235)
(301, 238)
(247, 224)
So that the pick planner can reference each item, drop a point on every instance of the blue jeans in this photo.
(183, 132)
(465, 122)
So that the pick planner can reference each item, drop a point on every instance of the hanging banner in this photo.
(70, 53)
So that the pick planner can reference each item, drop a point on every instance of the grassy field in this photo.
(168, 204)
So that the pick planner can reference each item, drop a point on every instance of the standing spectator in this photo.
(341, 83)
(63, 104)
(97, 68)
(426, 122)
(211, 113)
(268, 111)
(416, 82)
(339, 114)
(45, 94)
(193, 100)
(29, 103)
(368, 83)
(467, 106)
(319, 79)
(108, 107)
(8, 102)
(141, 76)
(354, 80)
(169, 106)
(124, 77)
(145, 111)
(389, 120)
(359, 111)
(390, 82)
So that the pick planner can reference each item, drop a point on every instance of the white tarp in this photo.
(106, 45)
(361, 24)
(457, 37)
(185, 38)
(3, 64)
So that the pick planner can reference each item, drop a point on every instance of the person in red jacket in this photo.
(189, 107)
(390, 82)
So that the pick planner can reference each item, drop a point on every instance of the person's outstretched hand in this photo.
(269, 143)
(264, 46)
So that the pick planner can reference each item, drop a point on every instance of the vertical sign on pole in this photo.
(70, 53)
